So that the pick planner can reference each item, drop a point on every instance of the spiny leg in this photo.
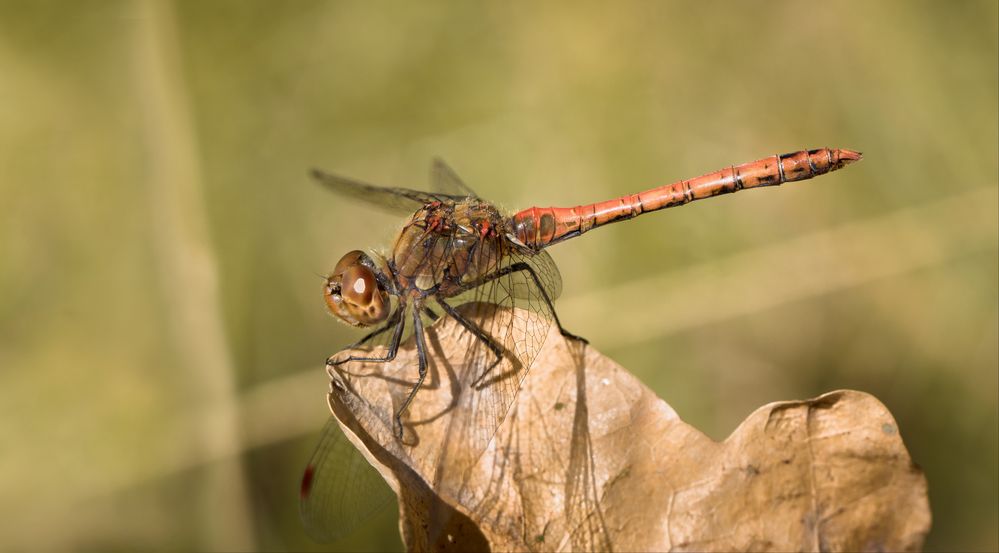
(421, 351)
(400, 324)
(521, 266)
(431, 314)
(476, 331)
(396, 315)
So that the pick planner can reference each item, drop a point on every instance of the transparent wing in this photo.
(397, 200)
(340, 489)
(444, 179)
(509, 312)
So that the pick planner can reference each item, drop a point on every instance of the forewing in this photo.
(340, 489)
(400, 200)
(444, 179)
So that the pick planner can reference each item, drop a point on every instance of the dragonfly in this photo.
(458, 256)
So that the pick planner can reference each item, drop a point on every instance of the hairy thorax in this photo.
(449, 246)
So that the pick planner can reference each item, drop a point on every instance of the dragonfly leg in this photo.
(388, 325)
(421, 350)
(431, 313)
(476, 331)
(521, 266)
(399, 324)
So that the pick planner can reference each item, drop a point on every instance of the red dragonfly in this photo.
(458, 256)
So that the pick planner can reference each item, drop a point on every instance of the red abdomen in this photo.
(540, 227)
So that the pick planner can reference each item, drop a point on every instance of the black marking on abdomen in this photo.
(547, 225)
(815, 170)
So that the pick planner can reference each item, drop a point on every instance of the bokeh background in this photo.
(161, 327)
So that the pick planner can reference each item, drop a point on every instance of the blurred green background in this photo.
(161, 326)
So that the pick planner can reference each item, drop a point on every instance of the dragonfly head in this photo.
(353, 293)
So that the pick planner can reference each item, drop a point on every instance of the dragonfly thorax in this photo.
(448, 246)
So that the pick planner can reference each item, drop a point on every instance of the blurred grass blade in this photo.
(188, 280)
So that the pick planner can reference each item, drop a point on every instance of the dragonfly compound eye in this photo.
(353, 293)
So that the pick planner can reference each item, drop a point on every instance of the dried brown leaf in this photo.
(588, 458)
